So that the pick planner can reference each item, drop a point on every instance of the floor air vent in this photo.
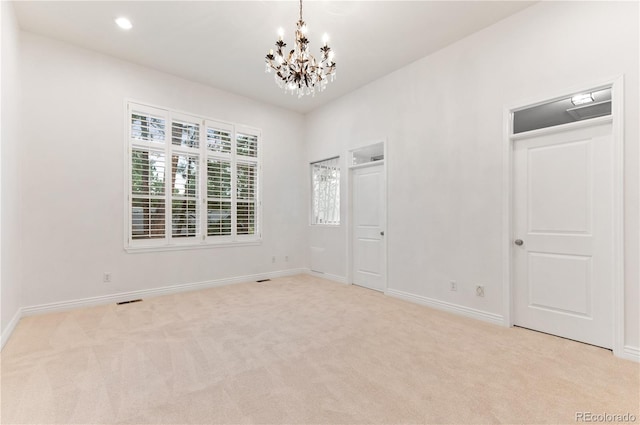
(129, 302)
(263, 280)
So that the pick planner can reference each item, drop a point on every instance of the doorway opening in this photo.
(368, 217)
(564, 233)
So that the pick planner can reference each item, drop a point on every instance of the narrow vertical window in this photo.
(246, 198)
(220, 213)
(218, 197)
(325, 193)
(148, 165)
(185, 178)
(246, 182)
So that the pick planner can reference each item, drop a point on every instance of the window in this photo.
(325, 193)
(192, 181)
(578, 107)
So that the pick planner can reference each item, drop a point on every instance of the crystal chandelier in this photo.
(299, 72)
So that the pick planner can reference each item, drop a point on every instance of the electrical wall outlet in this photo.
(106, 277)
(453, 286)
(480, 290)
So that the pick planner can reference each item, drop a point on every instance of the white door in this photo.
(369, 218)
(563, 244)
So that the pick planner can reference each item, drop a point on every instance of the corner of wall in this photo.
(8, 330)
(10, 240)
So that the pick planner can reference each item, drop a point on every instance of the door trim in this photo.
(351, 169)
(617, 134)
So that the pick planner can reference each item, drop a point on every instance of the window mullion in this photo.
(129, 171)
(314, 196)
(168, 211)
(333, 200)
(204, 212)
(234, 186)
(326, 195)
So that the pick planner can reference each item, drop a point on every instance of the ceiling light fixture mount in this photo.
(299, 72)
(124, 23)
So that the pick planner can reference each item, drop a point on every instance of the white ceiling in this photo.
(223, 43)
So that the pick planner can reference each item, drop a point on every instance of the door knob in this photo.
(519, 242)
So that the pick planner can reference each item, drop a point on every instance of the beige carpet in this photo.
(299, 350)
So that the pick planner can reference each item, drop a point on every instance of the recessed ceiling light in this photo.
(124, 23)
(581, 99)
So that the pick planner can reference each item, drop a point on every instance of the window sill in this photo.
(204, 245)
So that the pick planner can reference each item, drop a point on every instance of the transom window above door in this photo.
(577, 107)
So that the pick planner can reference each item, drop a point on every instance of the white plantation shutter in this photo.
(147, 194)
(147, 135)
(220, 184)
(185, 178)
(147, 126)
(219, 189)
(325, 194)
(184, 195)
(246, 206)
(247, 181)
(185, 133)
(247, 145)
(219, 137)
(192, 181)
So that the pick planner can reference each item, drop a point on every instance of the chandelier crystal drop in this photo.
(298, 71)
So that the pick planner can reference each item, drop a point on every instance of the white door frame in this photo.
(617, 119)
(351, 168)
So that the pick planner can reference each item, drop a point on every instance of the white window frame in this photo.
(201, 238)
(329, 198)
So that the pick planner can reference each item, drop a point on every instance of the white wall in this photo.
(443, 118)
(9, 164)
(73, 177)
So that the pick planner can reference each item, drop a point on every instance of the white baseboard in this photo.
(328, 276)
(146, 293)
(496, 319)
(631, 353)
(10, 328)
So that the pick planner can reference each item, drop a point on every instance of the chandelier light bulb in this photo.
(298, 71)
